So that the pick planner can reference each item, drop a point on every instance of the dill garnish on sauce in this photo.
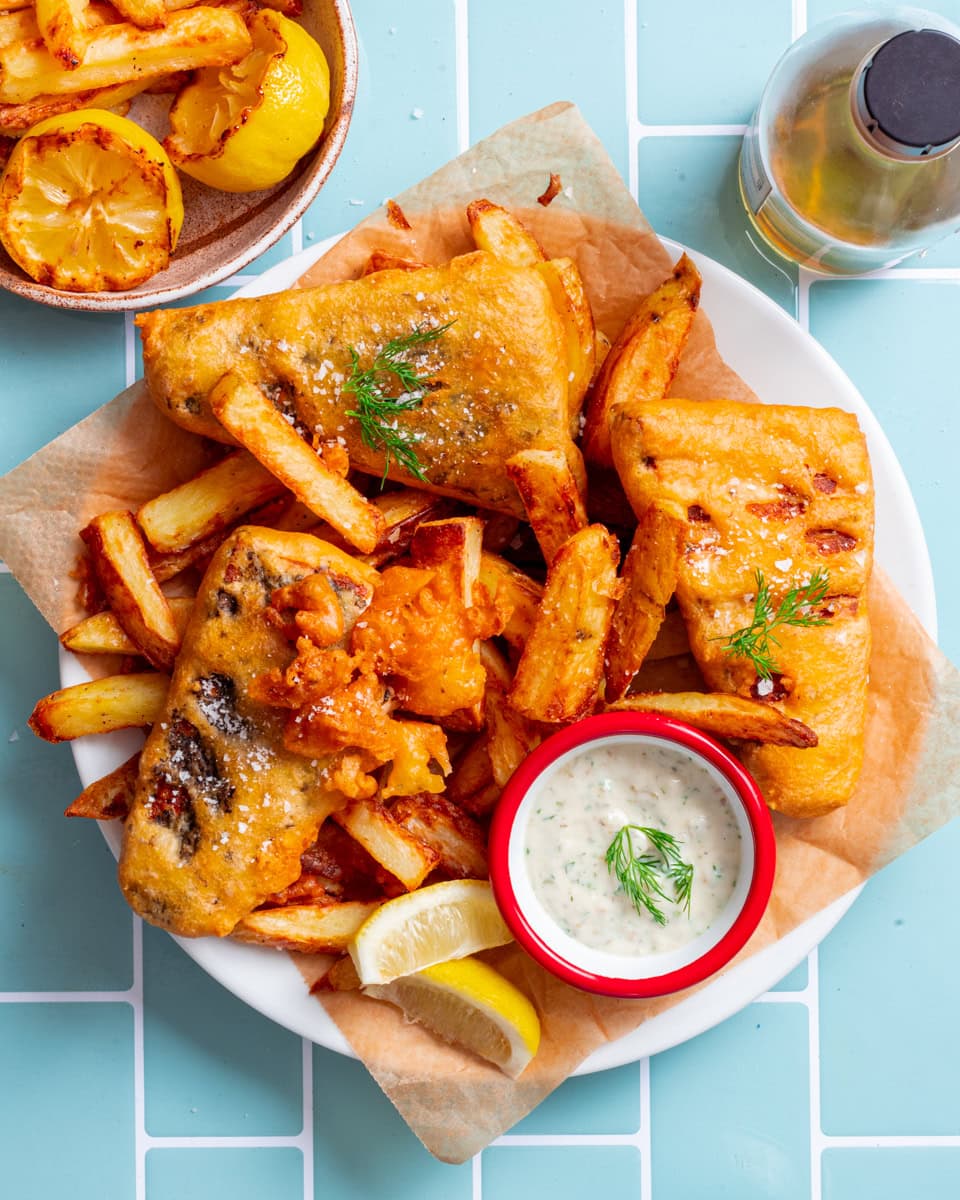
(797, 607)
(377, 409)
(642, 874)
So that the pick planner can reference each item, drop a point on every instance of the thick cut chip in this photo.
(242, 408)
(519, 593)
(562, 662)
(644, 359)
(649, 577)
(223, 811)
(306, 928)
(440, 824)
(511, 736)
(100, 706)
(550, 496)
(785, 492)
(209, 502)
(497, 376)
(401, 852)
(724, 716)
(500, 233)
(109, 798)
(120, 561)
(63, 27)
(103, 634)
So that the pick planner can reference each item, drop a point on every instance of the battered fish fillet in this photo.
(222, 812)
(500, 375)
(784, 491)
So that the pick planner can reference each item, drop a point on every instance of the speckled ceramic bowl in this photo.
(222, 232)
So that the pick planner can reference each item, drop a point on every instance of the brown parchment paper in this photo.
(126, 452)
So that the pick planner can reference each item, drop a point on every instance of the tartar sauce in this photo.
(581, 806)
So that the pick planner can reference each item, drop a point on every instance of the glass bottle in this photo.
(850, 162)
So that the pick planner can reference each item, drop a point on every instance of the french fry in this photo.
(499, 530)
(399, 852)
(522, 593)
(307, 928)
(562, 661)
(471, 773)
(601, 348)
(500, 233)
(207, 503)
(383, 260)
(482, 803)
(550, 496)
(570, 300)
(100, 706)
(103, 634)
(122, 53)
(455, 542)
(16, 119)
(109, 798)
(650, 579)
(246, 413)
(120, 561)
(671, 638)
(342, 976)
(63, 27)
(511, 737)
(439, 823)
(14, 5)
(644, 359)
(148, 14)
(18, 26)
(724, 716)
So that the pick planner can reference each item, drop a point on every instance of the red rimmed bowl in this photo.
(633, 974)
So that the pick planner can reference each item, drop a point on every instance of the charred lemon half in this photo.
(89, 202)
(244, 127)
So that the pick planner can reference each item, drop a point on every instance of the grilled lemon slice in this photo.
(89, 202)
(244, 127)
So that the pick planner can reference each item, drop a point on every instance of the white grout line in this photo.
(128, 997)
(226, 1142)
(813, 1051)
(805, 278)
(692, 130)
(890, 1141)
(129, 349)
(141, 1137)
(632, 92)
(476, 1178)
(461, 25)
(798, 24)
(645, 1134)
(305, 1140)
(568, 1139)
(296, 237)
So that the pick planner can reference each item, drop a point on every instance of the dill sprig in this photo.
(755, 640)
(377, 410)
(642, 875)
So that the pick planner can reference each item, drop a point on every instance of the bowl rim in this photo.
(324, 159)
(677, 733)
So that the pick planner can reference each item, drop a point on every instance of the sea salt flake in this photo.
(783, 564)
(764, 687)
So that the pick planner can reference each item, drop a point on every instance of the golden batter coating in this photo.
(500, 371)
(222, 812)
(787, 492)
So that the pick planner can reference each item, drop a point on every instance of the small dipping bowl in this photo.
(634, 974)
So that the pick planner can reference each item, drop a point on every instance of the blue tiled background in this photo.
(840, 1084)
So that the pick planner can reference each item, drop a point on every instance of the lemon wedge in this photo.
(89, 202)
(244, 127)
(472, 1005)
(428, 926)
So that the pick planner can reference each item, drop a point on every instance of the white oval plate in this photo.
(783, 364)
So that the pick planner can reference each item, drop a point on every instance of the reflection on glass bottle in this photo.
(851, 160)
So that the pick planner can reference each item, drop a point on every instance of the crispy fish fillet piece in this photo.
(785, 491)
(222, 812)
(499, 373)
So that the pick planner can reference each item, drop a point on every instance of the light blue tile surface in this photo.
(608, 1102)
(54, 371)
(192, 1174)
(729, 49)
(890, 989)
(404, 121)
(730, 1112)
(65, 1101)
(688, 190)
(363, 1149)
(892, 1174)
(56, 876)
(892, 338)
(212, 1065)
(566, 1173)
(732, 1106)
(520, 61)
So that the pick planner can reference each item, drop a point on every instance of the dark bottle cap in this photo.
(911, 90)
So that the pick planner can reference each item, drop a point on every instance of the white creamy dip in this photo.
(579, 808)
